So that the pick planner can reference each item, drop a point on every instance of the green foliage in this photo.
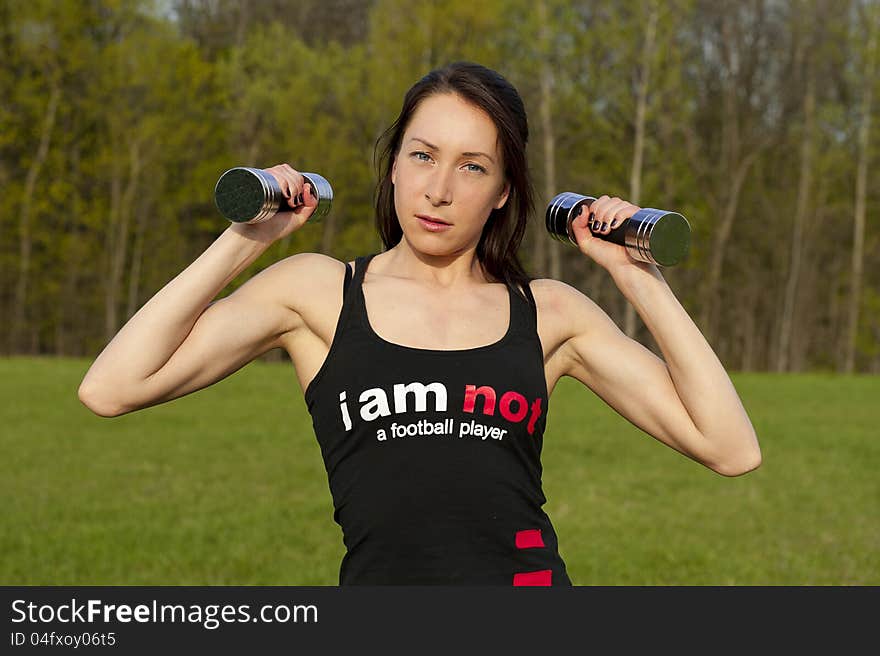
(157, 99)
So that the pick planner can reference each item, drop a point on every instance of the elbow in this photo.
(741, 464)
(98, 403)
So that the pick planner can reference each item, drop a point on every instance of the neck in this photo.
(455, 270)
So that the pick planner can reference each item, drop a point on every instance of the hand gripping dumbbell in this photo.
(656, 236)
(247, 195)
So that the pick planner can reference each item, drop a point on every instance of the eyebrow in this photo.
(467, 154)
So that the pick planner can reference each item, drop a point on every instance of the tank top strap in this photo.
(357, 302)
(346, 310)
(360, 268)
(345, 283)
(523, 311)
(343, 326)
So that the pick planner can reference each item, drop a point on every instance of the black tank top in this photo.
(433, 457)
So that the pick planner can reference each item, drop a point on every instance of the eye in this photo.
(477, 168)
(419, 154)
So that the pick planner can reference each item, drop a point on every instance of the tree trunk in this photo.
(20, 318)
(548, 253)
(743, 136)
(328, 234)
(121, 210)
(635, 180)
(730, 153)
(428, 24)
(137, 256)
(67, 310)
(783, 352)
(856, 268)
(728, 212)
(547, 256)
(749, 326)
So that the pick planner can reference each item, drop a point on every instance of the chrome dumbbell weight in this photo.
(656, 236)
(248, 195)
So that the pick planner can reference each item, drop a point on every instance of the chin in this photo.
(425, 244)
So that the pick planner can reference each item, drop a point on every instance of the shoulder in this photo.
(312, 262)
(554, 296)
(306, 269)
(302, 280)
(564, 308)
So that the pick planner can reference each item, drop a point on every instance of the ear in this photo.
(503, 197)
(394, 171)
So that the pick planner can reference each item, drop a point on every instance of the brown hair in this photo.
(505, 228)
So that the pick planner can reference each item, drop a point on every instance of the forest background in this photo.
(754, 119)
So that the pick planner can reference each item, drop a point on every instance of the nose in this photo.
(439, 190)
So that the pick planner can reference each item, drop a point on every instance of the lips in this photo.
(433, 226)
(428, 217)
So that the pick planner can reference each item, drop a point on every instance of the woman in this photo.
(428, 367)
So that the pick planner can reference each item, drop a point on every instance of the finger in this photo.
(599, 210)
(309, 196)
(623, 214)
(288, 174)
(289, 170)
(609, 208)
(581, 218)
(579, 225)
(608, 214)
(296, 188)
(283, 178)
(598, 206)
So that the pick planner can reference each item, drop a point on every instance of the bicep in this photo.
(629, 378)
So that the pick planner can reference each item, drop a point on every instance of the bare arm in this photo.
(686, 401)
(179, 341)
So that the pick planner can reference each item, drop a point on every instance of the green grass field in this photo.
(227, 487)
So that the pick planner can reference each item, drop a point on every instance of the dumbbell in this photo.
(655, 236)
(247, 195)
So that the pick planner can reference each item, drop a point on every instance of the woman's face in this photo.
(449, 167)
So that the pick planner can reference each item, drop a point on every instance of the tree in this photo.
(869, 17)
